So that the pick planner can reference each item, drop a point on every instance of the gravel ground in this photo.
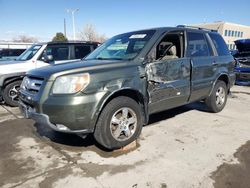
(183, 147)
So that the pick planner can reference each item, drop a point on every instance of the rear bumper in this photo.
(43, 119)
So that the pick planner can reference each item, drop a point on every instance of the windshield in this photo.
(29, 53)
(123, 47)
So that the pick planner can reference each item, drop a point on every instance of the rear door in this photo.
(169, 74)
(203, 65)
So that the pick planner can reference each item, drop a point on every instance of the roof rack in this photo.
(194, 27)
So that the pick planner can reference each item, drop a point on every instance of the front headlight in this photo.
(71, 83)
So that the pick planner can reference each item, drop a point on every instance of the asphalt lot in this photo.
(183, 147)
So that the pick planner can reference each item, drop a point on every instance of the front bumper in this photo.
(242, 76)
(43, 119)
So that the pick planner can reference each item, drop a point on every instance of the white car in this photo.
(12, 72)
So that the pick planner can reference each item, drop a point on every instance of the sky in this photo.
(43, 18)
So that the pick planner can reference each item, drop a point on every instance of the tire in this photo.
(10, 93)
(218, 98)
(119, 123)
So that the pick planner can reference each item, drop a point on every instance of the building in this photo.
(229, 31)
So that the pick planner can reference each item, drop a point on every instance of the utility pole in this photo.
(65, 33)
(72, 11)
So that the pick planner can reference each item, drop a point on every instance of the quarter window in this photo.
(219, 44)
(197, 45)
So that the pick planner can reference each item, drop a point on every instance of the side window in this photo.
(170, 47)
(81, 51)
(197, 45)
(58, 52)
(219, 44)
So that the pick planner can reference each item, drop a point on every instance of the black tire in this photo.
(10, 93)
(214, 102)
(104, 134)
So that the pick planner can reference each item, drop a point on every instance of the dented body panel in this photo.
(169, 84)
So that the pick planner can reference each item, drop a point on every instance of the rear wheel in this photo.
(10, 93)
(218, 98)
(119, 124)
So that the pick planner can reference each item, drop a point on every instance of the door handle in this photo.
(214, 63)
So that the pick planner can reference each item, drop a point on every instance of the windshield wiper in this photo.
(101, 58)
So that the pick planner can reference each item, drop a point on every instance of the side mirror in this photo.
(48, 58)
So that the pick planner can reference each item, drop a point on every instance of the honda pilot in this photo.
(112, 92)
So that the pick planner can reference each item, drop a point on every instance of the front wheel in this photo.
(218, 98)
(119, 124)
(10, 93)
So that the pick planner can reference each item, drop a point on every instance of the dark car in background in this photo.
(10, 54)
(242, 57)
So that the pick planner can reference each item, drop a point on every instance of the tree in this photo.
(25, 38)
(59, 37)
(89, 33)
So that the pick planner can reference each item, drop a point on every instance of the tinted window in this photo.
(81, 51)
(4, 52)
(58, 52)
(197, 45)
(219, 44)
(16, 52)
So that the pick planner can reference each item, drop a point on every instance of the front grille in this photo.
(243, 76)
(32, 84)
(244, 65)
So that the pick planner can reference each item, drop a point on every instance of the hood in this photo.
(74, 67)
(243, 45)
(7, 67)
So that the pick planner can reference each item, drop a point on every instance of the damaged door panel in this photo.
(168, 83)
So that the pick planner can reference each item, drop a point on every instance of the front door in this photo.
(169, 74)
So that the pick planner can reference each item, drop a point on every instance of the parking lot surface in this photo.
(183, 147)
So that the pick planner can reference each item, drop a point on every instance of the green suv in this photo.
(112, 92)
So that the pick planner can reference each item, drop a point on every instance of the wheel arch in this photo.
(12, 79)
(128, 92)
(222, 77)
(8, 78)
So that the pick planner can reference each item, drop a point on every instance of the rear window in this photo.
(197, 45)
(219, 44)
(82, 51)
